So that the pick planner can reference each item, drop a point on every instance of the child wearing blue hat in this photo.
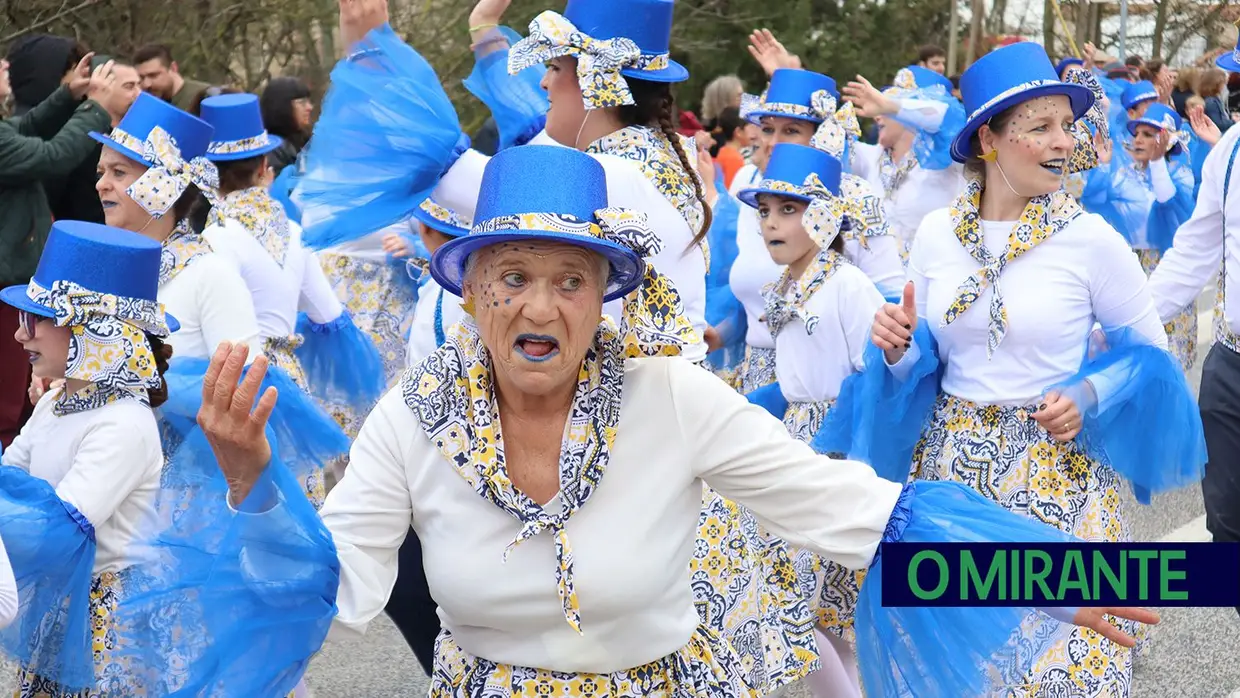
(78, 486)
(437, 310)
(990, 350)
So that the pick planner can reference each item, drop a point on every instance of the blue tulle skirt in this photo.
(517, 102)
(386, 133)
(946, 652)
(341, 362)
(770, 398)
(51, 547)
(724, 312)
(235, 604)
(878, 419)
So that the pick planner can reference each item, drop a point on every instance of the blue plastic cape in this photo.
(878, 419)
(951, 652)
(771, 399)
(933, 150)
(1166, 217)
(1198, 150)
(342, 364)
(1100, 196)
(237, 603)
(1146, 425)
(51, 547)
(723, 311)
(306, 438)
(517, 102)
(386, 134)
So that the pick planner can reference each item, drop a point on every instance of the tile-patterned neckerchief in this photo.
(782, 307)
(262, 216)
(658, 161)
(893, 175)
(94, 396)
(182, 247)
(1043, 217)
(453, 396)
(867, 217)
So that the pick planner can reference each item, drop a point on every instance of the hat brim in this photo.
(1081, 98)
(749, 197)
(755, 117)
(674, 72)
(120, 148)
(436, 224)
(1132, 131)
(448, 262)
(1227, 62)
(16, 297)
(273, 142)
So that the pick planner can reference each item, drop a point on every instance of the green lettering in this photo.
(1015, 579)
(1118, 584)
(1037, 576)
(1143, 558)
(1073, 576)
(916, 587)
(971, 578)
(1167, 575)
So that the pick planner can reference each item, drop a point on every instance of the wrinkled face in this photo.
(781, 129)
(157, 78)
(45, 344)
(567, 112)
(1034, 146)
(938, 64)
(1145, 143)
(124, 91)
(889, 131)
(116, 173)
(783, 230)
(538, 306)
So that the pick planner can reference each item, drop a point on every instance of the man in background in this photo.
(160, 76)
(932, 57)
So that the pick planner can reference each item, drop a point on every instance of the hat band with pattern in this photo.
(242, 145)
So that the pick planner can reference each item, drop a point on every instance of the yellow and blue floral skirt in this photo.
(706, 667)
(1005, 455)
(757, 369)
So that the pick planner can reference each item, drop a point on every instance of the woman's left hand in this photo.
(868, 100)
(1059, 416)
(1093, 618)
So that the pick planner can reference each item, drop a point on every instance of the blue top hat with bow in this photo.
(239, 130)
(551, 193)
(1005, 78)
(647, 23)
(94, 258)
(1138, 92)
(788, 168)
(436, 216)
(915, 77)
(190, 134)
(1066, 63)
(1161, 117)
(791, 93)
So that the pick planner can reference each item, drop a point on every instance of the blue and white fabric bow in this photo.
(838, 124)
(599, 61)
(158, 189)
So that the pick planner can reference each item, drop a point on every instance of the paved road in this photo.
(1193, 655)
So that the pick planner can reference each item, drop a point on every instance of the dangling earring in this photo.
(468, 306)
(992, 156)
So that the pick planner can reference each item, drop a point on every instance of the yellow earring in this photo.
(468, 307)
(992, 156)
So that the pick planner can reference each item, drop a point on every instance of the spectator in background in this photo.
(1134, 63)
(195, 105)
(5, 90)
(288, 112)
(932, 57)
(161, 76)
(1185, 87)
(732, 137)
(722, 92)
(125, 90)
(48, 142)
(1210, 87)
(1162, 76)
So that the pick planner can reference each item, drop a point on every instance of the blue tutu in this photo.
(51, 547)
(1147, 425)
(305, 437)
(342, 364)
(878, 419)
(386, 134)
(233, 605)
(517, 102)
(946, 652)
(770, 398)
(933, 150)
(724, 312)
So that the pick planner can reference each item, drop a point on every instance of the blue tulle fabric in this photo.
(305, 436)
(723, 311)
(1147, 425)
(933, 150)
(517, 102)
(51, 547)
(342, 363)
(878, 419)
(386, 134)
(1100, 196)
(282, 191)
(950, 652)
(234, 604)
(1198, 150)
(770, 398)
(1123, 194)
(1166, 217)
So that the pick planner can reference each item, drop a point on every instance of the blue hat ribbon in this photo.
(160, 186)
(599, 61)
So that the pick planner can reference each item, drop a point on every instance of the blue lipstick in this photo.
(538, 339)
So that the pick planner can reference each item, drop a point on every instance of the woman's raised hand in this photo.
(234, 426)
(769, 53)
(358, 17)
(894, 325)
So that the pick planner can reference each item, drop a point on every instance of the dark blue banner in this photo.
(1062, 574)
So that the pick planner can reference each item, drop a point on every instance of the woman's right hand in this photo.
(358, 17)
(1204, 126)
(233, 425)
(396, 246)
(769, 53)
(894, 326)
